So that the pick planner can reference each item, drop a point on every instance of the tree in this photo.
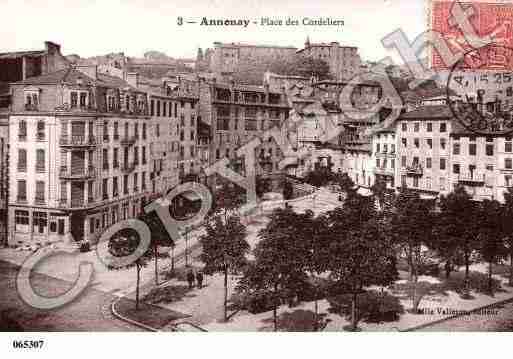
(305, 66)
(159, 236)
(288, 190)
(224, 248)
(124, 243)
(490, 235)
(410, 227)
(379, 191)
(345, 182)
(279, 268)
(507, 227)
(228, 199)
(360, 254)
(455, 230)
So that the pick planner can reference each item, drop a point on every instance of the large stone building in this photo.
(429, 151)
(344, 61)
(225, 58)
(81, 160)
(238, 113)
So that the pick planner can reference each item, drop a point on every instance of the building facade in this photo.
(238, 113)
(224, 58)
(81, 161)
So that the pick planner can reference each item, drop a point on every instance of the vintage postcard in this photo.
(252, 166)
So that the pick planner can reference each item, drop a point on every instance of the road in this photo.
(88, 312)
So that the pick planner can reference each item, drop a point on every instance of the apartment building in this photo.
(238, 113)
(384, 155)
(81, 159)
(436, 153)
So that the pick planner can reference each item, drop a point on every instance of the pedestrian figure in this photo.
(190, 278)
(199, 279)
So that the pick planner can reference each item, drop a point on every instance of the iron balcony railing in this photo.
(77, 174)
(77, 140)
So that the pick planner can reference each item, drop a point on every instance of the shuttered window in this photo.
(40, 191)
(22, 160)
(40, 160)
(22, 190)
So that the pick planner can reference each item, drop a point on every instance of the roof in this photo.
(241, 87)
(71, 75)
(427, 112)
(238, 44)
(14, 55)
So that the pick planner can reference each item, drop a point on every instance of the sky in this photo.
(94, 27)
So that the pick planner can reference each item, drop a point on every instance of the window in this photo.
(158, 108)
(143, 155)
(429, 142)
(489, 150)
(392, 163)
(508, 163)
(377, 148)
(429, 127)
(22, 191)
(472, 149)
(40, 192)
(115, 159)
(144, 131)
(404, 142)
(22, 130)
(21, 220)
(40, 160)
(403, 161)
(136, 181)
(136, 156)
(443, 143)
(143, 181)
(105, 187)
(443, 127)
(442, 164)
(507, 147)
(416, 127)
(456, 149)
(22, 160)
(152, 108)
(125, 184)
(73, 99)
(456, 168)
(40, 136)
(39, 222)
(507, 180)
(416, 142)
(428, 182)
(415, 182)
(91, 225)
(116, 131)
(392, 148)
(83, 99)
(115, 188)
(489, 167)
(105, 159)
(157, 130)
(377, 163)
(404, 127)
(442, 184)
(164, 104)
(428, 162)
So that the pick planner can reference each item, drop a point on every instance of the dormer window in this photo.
(73, 99)
(78, 99)
(31, 99)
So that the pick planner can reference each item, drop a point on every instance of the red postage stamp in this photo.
(490, 19)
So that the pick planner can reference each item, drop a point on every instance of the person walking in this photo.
(190, 278)
(199, 279)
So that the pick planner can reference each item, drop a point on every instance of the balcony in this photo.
(384, 171)
(79, 175)
(128, 140)
(413, 170)
(77, 141)
(472, 179)
(75, 203)
(106, 138)
(128, 167)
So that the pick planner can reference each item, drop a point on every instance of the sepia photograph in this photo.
(255, 166)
